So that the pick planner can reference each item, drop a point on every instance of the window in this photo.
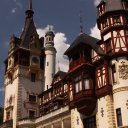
(32, 114)
(32, 98)
(116, 20)
(108, 46)
(90, 122)
(33, 77)
(114, 74)
(86, 84)
(8, 115)
(47, 63)
(119, 117)
(78, 84)
(105, 24)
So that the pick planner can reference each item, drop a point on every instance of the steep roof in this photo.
(113, 5)
(29, 28)
(86, 40)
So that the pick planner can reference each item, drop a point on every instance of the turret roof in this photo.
(87, 40)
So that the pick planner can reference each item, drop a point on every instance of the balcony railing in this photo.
(103, 90)
(84, 94)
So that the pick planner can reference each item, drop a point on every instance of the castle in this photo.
(94, 91)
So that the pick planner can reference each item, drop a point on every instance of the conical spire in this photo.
(29, 28)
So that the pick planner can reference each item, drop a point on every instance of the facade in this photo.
(94, 91)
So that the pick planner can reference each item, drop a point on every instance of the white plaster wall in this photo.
(11, 90)
(120, 101)
(121, 92)
(50, 68)
(74, 116)
(102, 121)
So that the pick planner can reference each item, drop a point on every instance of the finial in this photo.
(81, 24)
(30, 4)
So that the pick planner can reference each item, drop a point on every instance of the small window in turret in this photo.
(116, 20)
(33, 77)
(114, 74)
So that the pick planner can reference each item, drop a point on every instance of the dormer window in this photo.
(113, 67)
(116, 20)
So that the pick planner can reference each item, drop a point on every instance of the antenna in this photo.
(81, 23)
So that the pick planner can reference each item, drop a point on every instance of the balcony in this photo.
(104, 91)
(85, 101)
(74, 64)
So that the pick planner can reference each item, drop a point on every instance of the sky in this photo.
(62, 15)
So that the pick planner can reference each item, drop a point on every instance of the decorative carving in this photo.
(127, 104)
(77, 120)
(123, 71)
(120, 89)
(102, 112)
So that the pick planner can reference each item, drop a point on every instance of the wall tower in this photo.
(50, 57)
(23, 73)
(113, 24)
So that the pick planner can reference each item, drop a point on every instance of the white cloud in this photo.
(19, 4)
(61, 45)
(95, 32)
(13, 10)
(96, 2)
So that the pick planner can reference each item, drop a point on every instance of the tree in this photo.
(1, 115)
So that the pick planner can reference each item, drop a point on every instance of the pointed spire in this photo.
(81, 24)
(30, 4)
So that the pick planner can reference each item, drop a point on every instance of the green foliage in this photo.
(1, 115)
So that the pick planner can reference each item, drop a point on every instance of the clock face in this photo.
(35, 60)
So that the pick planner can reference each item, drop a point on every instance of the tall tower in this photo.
(50, 57)
(24, 73)
(113, 24)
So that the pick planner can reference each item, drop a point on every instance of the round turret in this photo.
(50, 33)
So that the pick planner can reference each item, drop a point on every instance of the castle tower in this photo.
(23, 73)
(112, 74)
(50, 57)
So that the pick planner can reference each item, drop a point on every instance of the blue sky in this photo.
(62, 15)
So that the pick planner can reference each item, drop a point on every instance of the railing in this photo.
(103, 90)
(84, 93)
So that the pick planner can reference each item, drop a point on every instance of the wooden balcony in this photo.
(85, 101)
(74, 64)
(103, 91)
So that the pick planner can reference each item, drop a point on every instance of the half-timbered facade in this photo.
(94, 91)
